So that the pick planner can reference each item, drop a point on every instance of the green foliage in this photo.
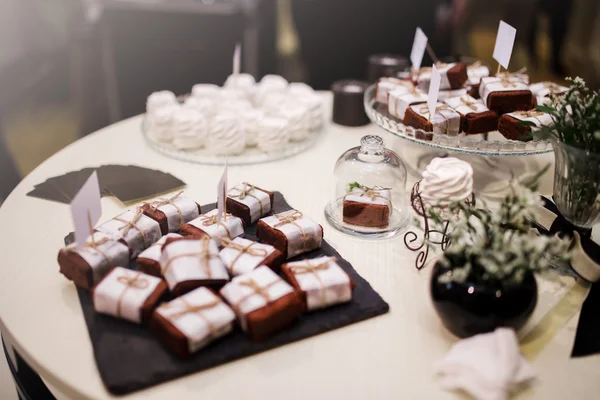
(353, 186)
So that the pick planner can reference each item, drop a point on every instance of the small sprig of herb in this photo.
(354, 185)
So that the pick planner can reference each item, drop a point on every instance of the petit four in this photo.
(242, 255)
(386, 85)
(511, 127)
(209, 225)
(401, 99)
(249, 202)
(475, 117)
(543, 90)
(133, 229)
(369, 207)
(149, 259)
(445, 121)
(506, 94)
(453, 76)
(172, 212)
(446, 94)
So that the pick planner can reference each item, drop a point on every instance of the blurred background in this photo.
(71, 67)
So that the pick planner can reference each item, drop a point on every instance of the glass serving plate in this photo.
(490, 144)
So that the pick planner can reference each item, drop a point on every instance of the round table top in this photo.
(390, 356)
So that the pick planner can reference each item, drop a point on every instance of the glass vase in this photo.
(577, 184)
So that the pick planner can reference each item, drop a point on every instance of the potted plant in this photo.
(575, 137)
(485, 277)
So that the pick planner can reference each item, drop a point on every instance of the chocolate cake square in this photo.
(207, 225)
(446, 94)
(129, 295)
(189, 263)
(89, 265)
(191, 322)
(446, 121)
(400, 99)
(475, 117)
(172, 212)
(241, 256)
(321, 282)
(505, 95)
(133, 229)
(543, 91)
(473, 91)
(386, 85)
(368, 207)
(475, 72)
(249, 202)
(453, 76)
(290, 232)
(149, 259)
(510, 127)
(263, 302)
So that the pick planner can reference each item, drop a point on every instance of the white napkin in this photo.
(486, 366)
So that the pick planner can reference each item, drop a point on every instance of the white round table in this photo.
(390, 356)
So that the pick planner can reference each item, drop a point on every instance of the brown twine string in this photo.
(136, 282)
(262, 291)
(476, 64)
(204, 255)
(469, 103)
(373, 193)
(246, 192)
(209, 220)
(196, 309)
(94, 246)
(313, 269)
(553, 87)
(163, 202)
(425, 110)
(228, 243)
(128, 225)
(531, 114)
(291, 219)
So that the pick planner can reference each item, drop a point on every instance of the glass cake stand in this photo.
(490, 144)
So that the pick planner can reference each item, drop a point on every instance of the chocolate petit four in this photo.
(89, 265)
(475, 117)
(263, 302)
(400, 99)
(543, 90)
(172, 212)
(133, 229)
(208, 225)
(445, 121)
(511, 127)
(505, 95)
(190, 262)
(242, 255)
(369, 207)
(386, 85)
(128, 294)
(149, 259)
(453, 76)
(475, 72)
(446, 94)
(290, 232)
(321, 281)
(191, 322)
(249, 202)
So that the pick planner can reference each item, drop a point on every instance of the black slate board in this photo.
(129, 358)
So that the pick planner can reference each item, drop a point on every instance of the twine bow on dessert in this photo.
(291, 219)
(247, 188)
(509, 78)
(93, 245)
(197, 309)
(210, 220)
(128, 225)
(372, 193)
(262, 291)
(170, 201)
(230, 244)
(535, 114)
(203, 255)
(424, 110)
(475, 65)
(468, 103)
(136, 282)
(313, 269)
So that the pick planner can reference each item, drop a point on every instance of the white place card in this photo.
(86, 209)
(222, 194)
(237, 59)
(505, 41)
(418, 49)
(434, 90)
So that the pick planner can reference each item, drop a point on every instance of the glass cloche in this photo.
(369, 199)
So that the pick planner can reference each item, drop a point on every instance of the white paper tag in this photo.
(434, 90)
(222, 194)
(505, 41)
(418, 49)
(86, 209)
(237, 60)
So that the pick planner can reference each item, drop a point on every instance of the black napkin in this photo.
(129, 358)
(126, 182)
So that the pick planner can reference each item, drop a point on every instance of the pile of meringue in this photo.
(242, 114)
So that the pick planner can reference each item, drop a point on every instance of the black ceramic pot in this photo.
(467, 309)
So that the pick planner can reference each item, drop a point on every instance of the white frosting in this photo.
(178, 212)
(476, 72)
(138, 238)
(446, 180)
(116, 252)
(446, 94)
(445, 121)
(425, 77)
(303, 234)
(114, 296)
(246, 262)
(205, 90)
(205, 105)
(386, 85)
(400, 99)
(227, 136)
(492, 84)
(300, 89)
(155, 250)
(537, 117)
(466, 105)
(190, 129)
(383, 197)
(160, 122)
(158, 100)
(230, 227)
(257, 201)
(199, 326)
(545, 89)
(273, 134)
(298, 118)
(189, 260)
(245, 300)
(251, 120)
(323, 287)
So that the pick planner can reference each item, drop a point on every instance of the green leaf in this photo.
(353, 186)
(526, 123)
(546, 109)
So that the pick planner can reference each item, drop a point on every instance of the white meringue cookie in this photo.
(446, 180)
(205, 90)
(160, 122)
(190, 129)
(227, 136)
(298, 118)
(273, 134)
(244, 82)
(300, 89)
(160, 99)
(235, 105)
(317, 111)
(275, 82)
(205, 105)
(251, 120)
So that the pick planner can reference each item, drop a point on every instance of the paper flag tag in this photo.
(237, 59)
(434, 90)
(86, 209)
(505, 41)
(222, 195)
(418, 49)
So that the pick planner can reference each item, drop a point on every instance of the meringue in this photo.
(446, 180)
(204, 105)
(251, 121)
(298, 118)
(189, 129)
(160, 99)
(273, 134)
(227, 136)
(205, 90)
(243, 82)
(160, 123)
(300, 89)
(274, 82)
(317, 112)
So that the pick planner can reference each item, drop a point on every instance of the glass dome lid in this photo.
(369, 199)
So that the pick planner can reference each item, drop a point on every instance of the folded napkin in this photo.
(485, 366)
